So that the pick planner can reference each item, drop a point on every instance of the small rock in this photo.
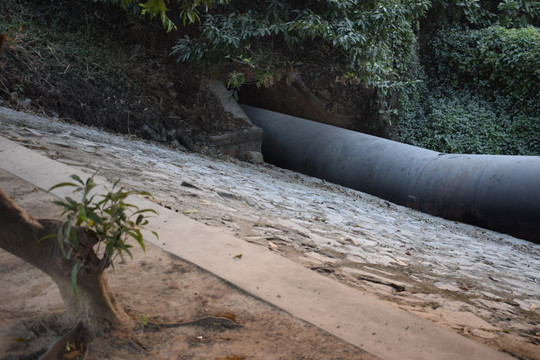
(254, 157)
(172, 134)
(190, 185)
(149, 133)
(26, 101)
(324, 95)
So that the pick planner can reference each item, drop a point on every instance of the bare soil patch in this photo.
(163, 288)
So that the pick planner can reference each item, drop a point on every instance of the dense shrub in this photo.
(459, 121)
(477, 14)
(501, 64)
(376, 37)
(480, 93)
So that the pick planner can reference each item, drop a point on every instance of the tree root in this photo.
(74, 342)
(33, 356)
(209, 322)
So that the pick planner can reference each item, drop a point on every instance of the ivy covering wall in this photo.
(479, 93)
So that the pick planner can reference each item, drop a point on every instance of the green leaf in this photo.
(124, 248)
(77, 178)
(147, 210)
(94, 217)
(60, 237)
(46, 237)
(62, 185)
(139, 238)
(73, 239)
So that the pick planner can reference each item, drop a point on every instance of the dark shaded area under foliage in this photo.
(93, 64)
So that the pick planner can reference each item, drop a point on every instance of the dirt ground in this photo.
(163, 288)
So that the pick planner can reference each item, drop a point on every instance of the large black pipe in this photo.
(492, 191)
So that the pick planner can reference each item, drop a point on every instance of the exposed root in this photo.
(74, 343)
(213, 322)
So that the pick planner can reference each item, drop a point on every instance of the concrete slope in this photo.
(374, 325)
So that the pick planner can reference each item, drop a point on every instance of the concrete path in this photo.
(365, 321)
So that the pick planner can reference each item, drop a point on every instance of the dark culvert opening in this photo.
(321, 100)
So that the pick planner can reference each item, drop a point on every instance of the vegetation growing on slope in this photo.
(465, 72)
(375, 37)
(98, 65)
(478, 89)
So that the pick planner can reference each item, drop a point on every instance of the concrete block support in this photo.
(240, 144)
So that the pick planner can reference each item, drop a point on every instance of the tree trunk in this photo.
(21, 235)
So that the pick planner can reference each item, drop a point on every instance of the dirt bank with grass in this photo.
(95, 65)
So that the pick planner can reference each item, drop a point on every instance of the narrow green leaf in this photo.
(61, 203)
(146, 210)
(73, 239)
(139, 238)
(94, 217)
(46, 237)
(77, 178)
(61, 185)
(60, 237)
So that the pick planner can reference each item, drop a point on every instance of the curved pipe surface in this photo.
(496, 192)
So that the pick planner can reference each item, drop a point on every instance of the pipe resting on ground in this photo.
(496, 192)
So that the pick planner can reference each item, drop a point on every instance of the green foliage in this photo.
(376, 37)
(111, 220)
(501, 64)
(485, 13)
(249, 72)
(143, 320)
(188, 11)
(480, 93)
(459, 121)
(236, 80)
